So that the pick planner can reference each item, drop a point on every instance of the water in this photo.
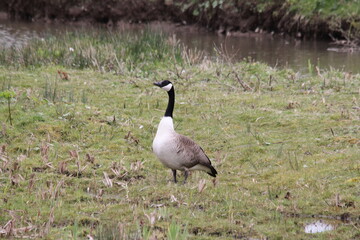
(18, 33)
(318, 227)
(273, 50)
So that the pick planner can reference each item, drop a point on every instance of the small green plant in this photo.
(8, 95)
(175, 232)
(294, 164)
(146, 233)
(310, 67)
(75, 230)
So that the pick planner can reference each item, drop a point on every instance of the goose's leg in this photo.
(186, 174)
(174, 175)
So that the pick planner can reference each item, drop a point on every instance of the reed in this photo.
(99, 49)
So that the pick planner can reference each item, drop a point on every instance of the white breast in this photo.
(164, 145)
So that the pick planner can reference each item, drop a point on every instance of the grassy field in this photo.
(76, 159)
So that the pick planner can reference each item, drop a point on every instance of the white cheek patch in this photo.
(167, 87)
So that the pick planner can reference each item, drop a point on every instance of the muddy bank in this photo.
(225, 18)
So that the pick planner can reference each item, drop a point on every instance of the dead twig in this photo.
(44, 151)
(107, 181)
(202, 185)
(243, 84)
(90, 158)
(8, 229)
(49, 222)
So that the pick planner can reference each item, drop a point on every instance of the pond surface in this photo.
(273, 50)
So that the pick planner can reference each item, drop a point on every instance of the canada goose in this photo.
(176, 151)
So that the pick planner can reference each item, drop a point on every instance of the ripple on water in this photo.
(318, 227)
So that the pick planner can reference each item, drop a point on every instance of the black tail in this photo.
(213, 171)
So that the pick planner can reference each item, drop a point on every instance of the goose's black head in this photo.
(166, 85)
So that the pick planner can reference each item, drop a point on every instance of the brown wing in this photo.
(191, 153)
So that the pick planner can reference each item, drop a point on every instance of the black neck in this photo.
(170, 106)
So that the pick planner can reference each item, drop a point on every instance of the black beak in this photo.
(157, 84)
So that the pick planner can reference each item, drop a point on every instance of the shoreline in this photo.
(243, 17)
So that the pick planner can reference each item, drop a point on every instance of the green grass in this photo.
(308, 8)
(340, 18)
(77, 160)
(101, 50)
(328, 8)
